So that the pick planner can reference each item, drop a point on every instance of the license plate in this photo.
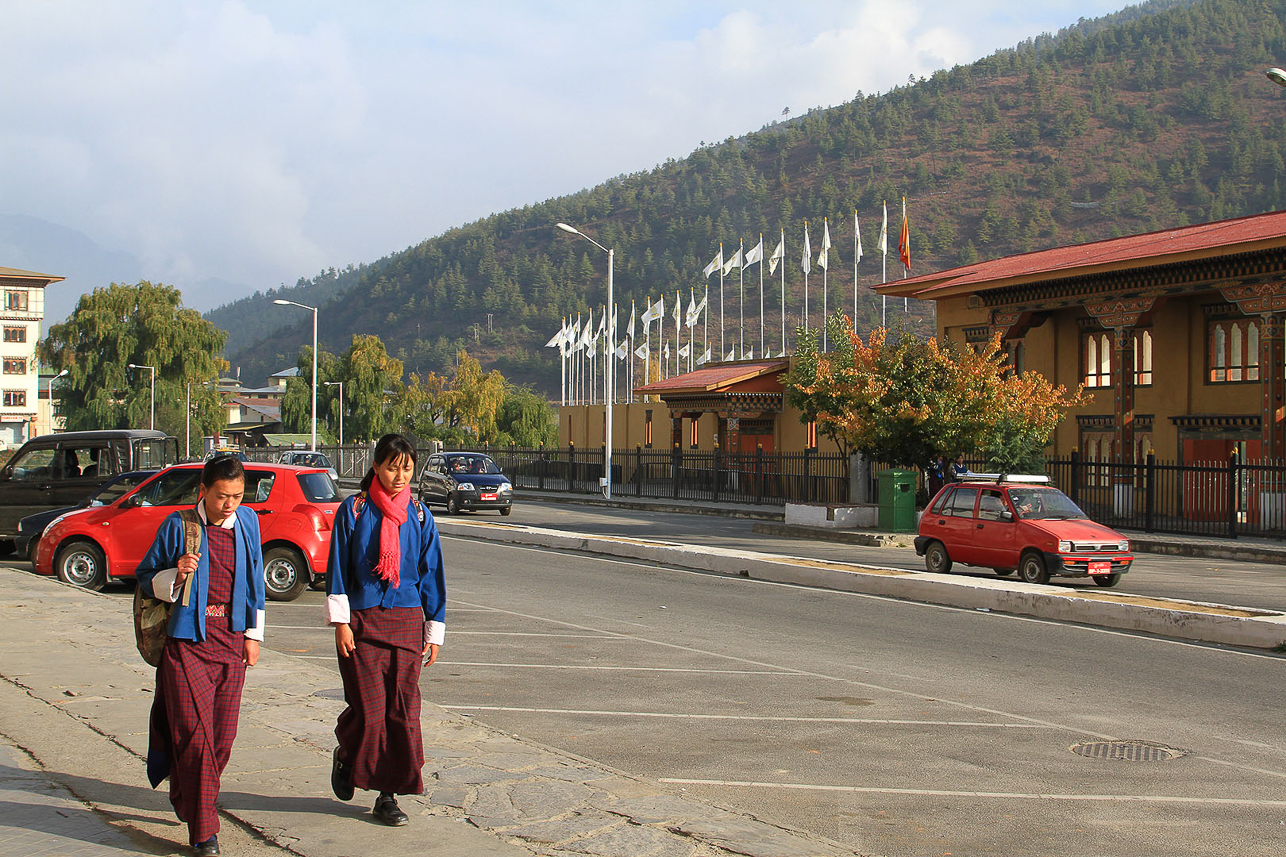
(488, 496)
(1100, 568)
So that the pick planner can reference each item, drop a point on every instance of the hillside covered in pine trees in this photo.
(1157, 116)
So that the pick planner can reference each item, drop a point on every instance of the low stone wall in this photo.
(862, 516)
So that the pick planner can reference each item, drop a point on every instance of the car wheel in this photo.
(936, 559)
(318, 583)
(1003, 572)
(453, 508)
(82, 564)
(1032, 568)
(1106, 580)
(285, 575)
(506, 510)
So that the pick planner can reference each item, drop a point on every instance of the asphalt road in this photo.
(895, 728)
(1244, 584)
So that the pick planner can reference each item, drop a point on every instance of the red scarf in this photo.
(393, 508)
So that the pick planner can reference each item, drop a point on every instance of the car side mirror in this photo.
(133, 501)
(1006, 515)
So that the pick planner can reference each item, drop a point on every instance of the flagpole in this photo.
(806, 319)
(562, 361)
(741, 301)
(761, 293)
(826, 225)
(647, 341)
(721, 351)
(856, 232)
(705, 325)
(783, 291)
(678, 334)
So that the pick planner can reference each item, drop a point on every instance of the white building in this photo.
(22, 311)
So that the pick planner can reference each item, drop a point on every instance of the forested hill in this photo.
(1120, 125)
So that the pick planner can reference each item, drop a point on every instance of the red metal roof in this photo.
(1205, 240)
(715, 376)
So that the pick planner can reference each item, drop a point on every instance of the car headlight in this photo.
(1064, 546)
(1124, 545)
(505, 488)
(464, 486)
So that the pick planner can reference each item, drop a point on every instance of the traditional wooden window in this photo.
(15, 398)
(1143, 358)
(1232, 350)
(15, 334)
(1096, 357)
(15, 366)
(647, 428)
(692, 432)
(15, 300)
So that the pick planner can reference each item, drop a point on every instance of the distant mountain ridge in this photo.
(1156, 116)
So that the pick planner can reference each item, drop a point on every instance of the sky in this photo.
(226, 146)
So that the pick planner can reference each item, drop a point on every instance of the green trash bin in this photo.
(897, 500)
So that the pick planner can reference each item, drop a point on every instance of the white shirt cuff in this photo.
(434, 632)
(337, 610)
(256, 633)
(165, 585)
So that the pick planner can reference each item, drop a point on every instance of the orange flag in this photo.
(904, 240)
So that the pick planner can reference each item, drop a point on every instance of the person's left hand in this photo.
(430, 654)
(250, 652)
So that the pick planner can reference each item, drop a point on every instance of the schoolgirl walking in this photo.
(386, 599)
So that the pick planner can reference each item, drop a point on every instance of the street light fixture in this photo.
(51, 396)
(611, 339)
(153, 368)
(283, 302)
(339, 384)
(1277, 76)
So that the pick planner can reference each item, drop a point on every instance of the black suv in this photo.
(57, 470)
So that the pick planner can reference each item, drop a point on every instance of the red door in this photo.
(994, 535)
(957, 526)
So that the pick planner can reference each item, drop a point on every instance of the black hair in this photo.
(390, 446)
(220, 468)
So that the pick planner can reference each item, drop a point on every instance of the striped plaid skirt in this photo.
(200, 686)
(379, 732)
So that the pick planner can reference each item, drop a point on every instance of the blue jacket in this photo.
(188, 623)
(354, 552)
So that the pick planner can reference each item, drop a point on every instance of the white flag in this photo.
(641, 351)
(883, 246)
(777, 256)
(704, 358)
(823, 258)
(755, 253)
(678, 310)
(621, 351)
(749, 355)
(654, 311)
(557, 340)
(685, 350)
(857, 236)
(733, 263)
(732, 355)
(807, 261)
(631, 333)
(715, 264)
(694, 312)
(587, 335)
(666, 350)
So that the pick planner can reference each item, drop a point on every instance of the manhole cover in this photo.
(1128, 751)
(330, 693)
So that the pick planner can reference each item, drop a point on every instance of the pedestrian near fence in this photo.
(212, 637)
(386, 599)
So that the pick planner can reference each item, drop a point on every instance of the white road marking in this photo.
(1001, 795)
(748, 717)
(610, 668)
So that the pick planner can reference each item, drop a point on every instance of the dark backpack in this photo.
(152, 615)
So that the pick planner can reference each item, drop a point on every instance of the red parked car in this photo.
(1018, 524)
(296, 507)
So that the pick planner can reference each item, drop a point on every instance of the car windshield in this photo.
(117, 488)
(472, 464)
(1044, 503)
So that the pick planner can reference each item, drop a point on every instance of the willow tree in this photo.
(145, 324)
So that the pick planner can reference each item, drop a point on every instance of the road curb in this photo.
(1212, 623)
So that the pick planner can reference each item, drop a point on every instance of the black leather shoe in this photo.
(387, 811)
(208, 848)
(341, 778)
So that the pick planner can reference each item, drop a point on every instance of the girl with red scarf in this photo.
(386, 599)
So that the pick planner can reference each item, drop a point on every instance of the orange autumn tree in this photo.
(901, 399)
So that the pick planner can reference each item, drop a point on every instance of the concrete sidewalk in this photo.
(74, 701)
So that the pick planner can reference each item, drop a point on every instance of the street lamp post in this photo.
(611, 341)
(340, 384)
(51, 397)
(283, 302)
(153, 368)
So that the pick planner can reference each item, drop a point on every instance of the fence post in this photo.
(676, 466)
(1150, 493)
(810, 488)
(718, 472)
(759, 473)
(638, 470)
(1074, 478)
(571, 467)
(540, 467)
(1234, 496)
(607, 471)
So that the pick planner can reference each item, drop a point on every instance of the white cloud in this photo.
(256, 142)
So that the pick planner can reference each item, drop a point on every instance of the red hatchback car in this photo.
(296, 507)
(1025, 526)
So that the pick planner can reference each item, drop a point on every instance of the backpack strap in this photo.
(358, 503)
(191, 544)
(419, 509)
